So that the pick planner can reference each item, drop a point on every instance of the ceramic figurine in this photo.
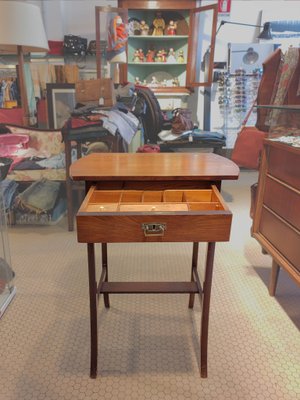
(180, 57)
(171, 56)
(141, 55)
(144, 28)
(171, 28)
(137, 81)
(158, 57)
(136, 56)
(175, 82)
(159, 25)
(154, 82)
(150, 56)
(163, 55)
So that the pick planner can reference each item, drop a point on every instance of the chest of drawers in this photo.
(276, 222)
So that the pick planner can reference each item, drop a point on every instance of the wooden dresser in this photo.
(276, 223)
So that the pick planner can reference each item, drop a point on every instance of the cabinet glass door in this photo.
(111, 42)
(202, 46)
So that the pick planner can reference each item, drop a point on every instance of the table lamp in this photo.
(21, 31)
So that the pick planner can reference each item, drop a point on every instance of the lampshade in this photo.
(266, 33)
(251, 56)
(21, 24)
(21, 31)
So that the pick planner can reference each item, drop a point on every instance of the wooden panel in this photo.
(159, 5)
(149, 287)
(283, 237)
(284, 164)
(154, 207)
(153, 166)
(206, 226)
(283, 200)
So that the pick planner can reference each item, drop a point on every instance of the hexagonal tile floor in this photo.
(149, 344)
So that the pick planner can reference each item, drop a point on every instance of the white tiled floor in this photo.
(149, 344)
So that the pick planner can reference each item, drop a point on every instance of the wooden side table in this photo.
(153, 197)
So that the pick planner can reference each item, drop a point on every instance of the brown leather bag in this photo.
(248, 145)
(98, 91)
(182, 121)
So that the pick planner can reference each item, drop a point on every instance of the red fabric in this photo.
(56, 47)
(149, 148)
(42, 115)
(12, 116)
(79, 122)
(248, 147)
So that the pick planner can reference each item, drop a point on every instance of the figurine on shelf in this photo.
(137, 81)
(180, 57)
(159, 25)
(136, 56)
(158, 57)
(163, 55)
(175, 82)
(150, 55)
(144, 28)
(144, 82)
(154, 82)
(141, 55)
(171, 28)
(164, 83)
(171, 56)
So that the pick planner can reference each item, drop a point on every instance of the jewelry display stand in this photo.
(7, 289)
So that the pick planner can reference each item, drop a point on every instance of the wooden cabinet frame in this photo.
(195, 76)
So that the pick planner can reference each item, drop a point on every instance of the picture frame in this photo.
(60, 103)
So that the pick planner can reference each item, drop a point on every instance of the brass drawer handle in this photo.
(154, 229)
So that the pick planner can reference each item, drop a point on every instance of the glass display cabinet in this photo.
(166, 45)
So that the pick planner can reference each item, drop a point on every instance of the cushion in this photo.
(48, 141)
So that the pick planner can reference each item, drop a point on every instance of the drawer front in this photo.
(284, 165)
(283, 200)
(281, 236)
(207, 227)
(172, 215)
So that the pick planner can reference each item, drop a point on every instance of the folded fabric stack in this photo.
(40, 203)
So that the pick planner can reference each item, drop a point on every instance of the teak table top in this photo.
(153, 166)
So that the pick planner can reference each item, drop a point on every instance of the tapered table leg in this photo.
(93, 309)
(194, 266)
(105, 266)
(274, 278)
(205, 307)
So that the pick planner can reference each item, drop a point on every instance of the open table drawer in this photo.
(108, 216)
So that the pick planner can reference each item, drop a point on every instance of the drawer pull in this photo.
(154, 229)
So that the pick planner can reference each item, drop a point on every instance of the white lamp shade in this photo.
(21, 24)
